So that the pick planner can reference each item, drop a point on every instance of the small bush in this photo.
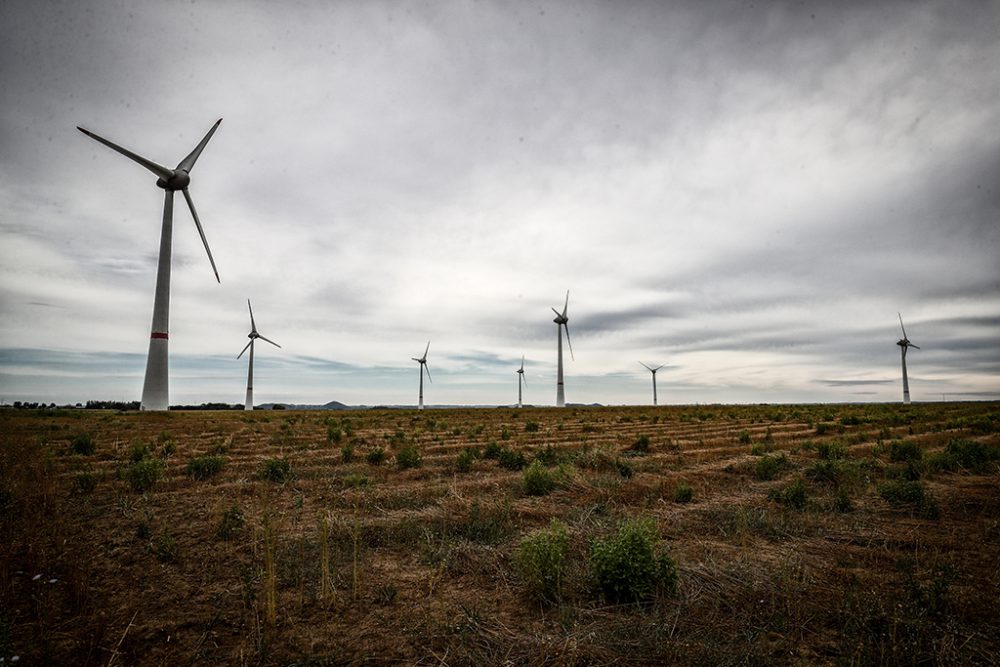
(464, 461)
(901, 493)
(232, 522)
(641, 444)
(627, 567)
(905, 450)
(375, 457)
(824, 472)
(86, 480)
(683, 493)
(831, 451)
(768, 467)
(408, 457)
(541, 560)
(961, 453)
(276, 470)
(548, 455)
(531, 427)
(744, 437)
(843, 503)
(334, 434)
(138, 452)
(356, 481)
(205, 466)
(623, 468)
(511, 460)
(823, 428)
(758, 450)
(793, 495)
(143, 474)
(505, 433)
(492, 450)
(347, 453)
(538, 481)
(165, 548)
(83, 444)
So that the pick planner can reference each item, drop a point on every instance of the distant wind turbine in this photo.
(155, 388)
(253, 336)
(903, 344)
(423, 364)
(562, 321)
(520, 379)
(653, 371)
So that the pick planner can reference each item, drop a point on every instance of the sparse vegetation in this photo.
(538, 480)
(541, 560)
(769, 467)
(83, 444)
(204, 466)
(408, 457)
(683, 493)
(628, 568)
(276, 470)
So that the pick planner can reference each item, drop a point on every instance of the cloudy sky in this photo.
(747, 192)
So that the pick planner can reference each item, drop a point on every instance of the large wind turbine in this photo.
(253, 336)
(423, 364)
(520, 379)
(561, 321)
(155, 389)
(653, 371)
(903, 344)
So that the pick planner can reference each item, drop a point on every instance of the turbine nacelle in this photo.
(179, 180)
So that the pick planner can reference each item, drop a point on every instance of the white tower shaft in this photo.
(519, 378)
(155, 388)
(560, 393)
(249, 402)
(654, 388)
(420, 406)
(906, 383)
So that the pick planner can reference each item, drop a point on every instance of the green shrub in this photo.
(758, 450)
(831, 451)
(623, 467)
(347, 453)
(541, 561)
(627, 567)
(744, 437)
(901, 493)
(334, 434)
(356, 481)
(531, 427)
(683, 493)
(511, 460)
(492, 450)
(905, 450)
(825, 472)
(793, 495)
(276, 470)
(538, 481)
(408, 457)
(843, 503)
(548, 455)
(505, 433)
(823, 428)
(961, 453)
(205, 466)
(143, 474)
(768, 467)
(138, 452)
(83, 444)
(232, 522)
(86, 480)
(165, 548)
(464, 461)
(641, 444)
(375, 456)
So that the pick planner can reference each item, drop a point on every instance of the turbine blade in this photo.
(525, 378)
(569, 343)
(428, 369)
(645, 366)
(427, 348)
(157, 169)
(658, 367)
(522, 363)
(566, 305)
(901, 325)
(914, 346)
(197, 224)
(253, 327)
(245, 349)
(268, 340)
(187, 164)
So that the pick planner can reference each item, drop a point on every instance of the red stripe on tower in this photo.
(159, 334)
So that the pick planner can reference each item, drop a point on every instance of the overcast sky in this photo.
(747, 192)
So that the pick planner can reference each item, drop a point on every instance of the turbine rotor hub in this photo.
(177, 181)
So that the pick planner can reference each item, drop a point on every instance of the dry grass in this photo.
(424, 558)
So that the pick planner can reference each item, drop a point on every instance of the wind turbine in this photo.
(561, 321)
(253, 336)
(423, 364)
(520, 379)
(903, 344)
(155, 388)
(653, 371)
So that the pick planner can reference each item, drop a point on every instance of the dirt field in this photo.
(848, 534)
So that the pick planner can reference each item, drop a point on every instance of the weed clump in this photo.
(903, 493)
(143, 474)
(205, 466)
(511, 460)
(86, 480)
(769, 467)
(627, 567)
(232, 523)
(165, 548)
(641, 444)
(905, 451)
(793, 495)
(744, 437)
(83, 444)
(831, 451)
(492, 450)
(334, 434)
(375, 457)
(276, 470)
(683, 493)
(408, 457)
(961, 453)
(465, 459)
(538, 480)
(541, 560)
(531, 427)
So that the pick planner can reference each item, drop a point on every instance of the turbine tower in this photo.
(155, 388)
(653, 371)
(253, 336)
(903, 344)
(520, 379)
(423, 364)
(561, 321)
